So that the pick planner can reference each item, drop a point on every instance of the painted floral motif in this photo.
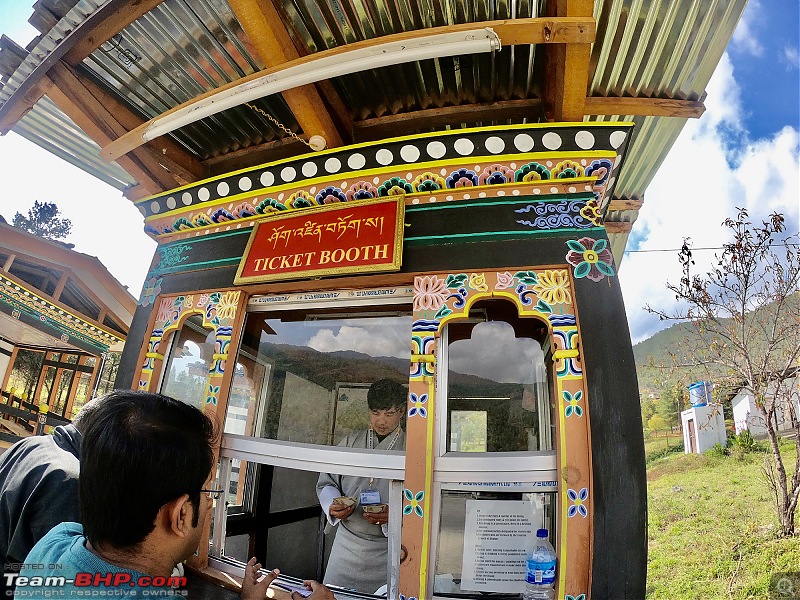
(221, 215)
(429, 182)
(269, 205)
(418, 408)
(301, 200)
(402, 597)
(577, 499)
(213, 393)
(495, 175)
(567, 169)
(601, 169)
(414, 500)
(167, 311)
(395, 186)
(462, 178)
(151, 290)
(504, 281)
(361, 190)
(532, 172)
(330, 195)
(244, 210)
(226, 307)
(591, 259)
(477, 281)
(552, 287)
(578, 597)
(571, 403)
(591, 212)
(430, 292)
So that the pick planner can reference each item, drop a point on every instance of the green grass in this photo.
(712, 529)
(659, 445)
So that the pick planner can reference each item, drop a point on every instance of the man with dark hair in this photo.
(146, 464)
(359, 555)
(39, 487)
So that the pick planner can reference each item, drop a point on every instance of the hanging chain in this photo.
(280, 125)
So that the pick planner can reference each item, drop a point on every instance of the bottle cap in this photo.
(541, 533)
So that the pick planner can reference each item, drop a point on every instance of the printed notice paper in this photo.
(497, 536)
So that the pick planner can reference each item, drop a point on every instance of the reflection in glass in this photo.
(304, 378)
(25, 374)
(189, 360)
(497, 385)
(62, 395)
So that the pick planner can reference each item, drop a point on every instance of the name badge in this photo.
(370, 497)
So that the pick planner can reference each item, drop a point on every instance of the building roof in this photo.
(102, 69)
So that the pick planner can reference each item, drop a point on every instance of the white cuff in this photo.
(326, 497)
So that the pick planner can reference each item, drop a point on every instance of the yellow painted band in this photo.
(558, 354)
(423, 358)
(155, 355)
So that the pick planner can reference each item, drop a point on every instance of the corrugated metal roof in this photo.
(183, 48)
(48, 127)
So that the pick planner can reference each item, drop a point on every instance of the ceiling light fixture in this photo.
(338, 62)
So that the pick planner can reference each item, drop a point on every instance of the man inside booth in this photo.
(358, 505)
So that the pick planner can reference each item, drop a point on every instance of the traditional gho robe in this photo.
(360, 550)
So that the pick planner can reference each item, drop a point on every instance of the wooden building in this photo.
(61, 313)
(438, 193)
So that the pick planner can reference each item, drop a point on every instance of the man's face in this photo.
(385, 421)
(204, 513)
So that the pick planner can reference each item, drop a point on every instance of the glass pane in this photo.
(47, 386)
(72, 359)
(62, 395)
(81, 394)
(484, 538)
(288, 529)
(90, 361)
(25, 374)
(187, 367)
(497, 386)
(110, 366)
(306, 377)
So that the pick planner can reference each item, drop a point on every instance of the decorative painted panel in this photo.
(545, 294)
(219, 310)
(23, 303)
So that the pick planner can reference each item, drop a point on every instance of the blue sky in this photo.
(742, 152)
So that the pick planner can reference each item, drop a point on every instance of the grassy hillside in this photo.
(712, 529)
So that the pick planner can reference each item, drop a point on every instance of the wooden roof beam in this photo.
(263, 25)
(437, 118)
(652, 107)
(567, 67)
(72, 97)
(550, 31)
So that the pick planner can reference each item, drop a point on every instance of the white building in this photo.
(703, 426)
(747, 416)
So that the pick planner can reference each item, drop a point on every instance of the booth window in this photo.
(497, 467)
(300, 388)
(498, 389)
(190, 355)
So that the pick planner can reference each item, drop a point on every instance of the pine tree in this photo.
(44, 220)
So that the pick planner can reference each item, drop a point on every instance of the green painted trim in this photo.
(208, 236)
(192, 266)
(498, 234)
(494, 201)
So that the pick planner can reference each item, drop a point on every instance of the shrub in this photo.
(717, 451)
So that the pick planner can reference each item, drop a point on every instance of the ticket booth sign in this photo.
(352, 237)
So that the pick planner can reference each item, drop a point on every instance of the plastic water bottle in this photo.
(540, 578)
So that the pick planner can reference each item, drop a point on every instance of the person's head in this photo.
(386, 400)
(86, 412)
(144, 457)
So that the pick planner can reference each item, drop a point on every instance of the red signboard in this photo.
(352, 237)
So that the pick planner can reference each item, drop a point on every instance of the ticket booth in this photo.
(472, 268)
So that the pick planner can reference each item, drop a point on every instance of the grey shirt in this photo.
(38, 490)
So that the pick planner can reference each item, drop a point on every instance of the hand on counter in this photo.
(254, 588)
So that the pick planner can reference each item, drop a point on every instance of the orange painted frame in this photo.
(546, 293)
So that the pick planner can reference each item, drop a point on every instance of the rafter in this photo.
(567, 67)
(653, 107)
(554, 31)
(263, 25)
(70, 95)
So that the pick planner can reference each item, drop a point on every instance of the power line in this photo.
(705, 248)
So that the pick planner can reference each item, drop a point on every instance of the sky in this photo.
(743, 152)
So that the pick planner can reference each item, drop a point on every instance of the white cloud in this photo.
(791, 57)
(701, 182)
(375, 341)
(493, 352)
(744, 37)
(104, 224)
